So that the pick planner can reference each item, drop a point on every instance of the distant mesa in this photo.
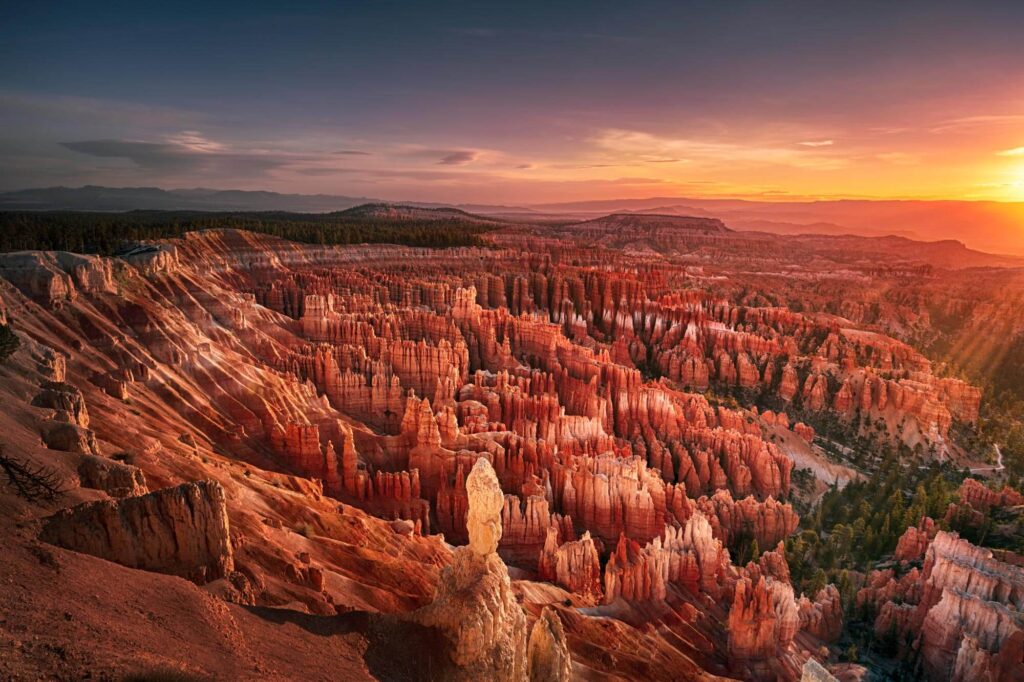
(408, 212)
(657, 221)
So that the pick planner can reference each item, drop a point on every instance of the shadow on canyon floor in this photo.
(422, 648)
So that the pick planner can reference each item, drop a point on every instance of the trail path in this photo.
(999, 463)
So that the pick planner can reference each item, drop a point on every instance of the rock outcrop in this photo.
(964, 612)
(823, 617)
(982, 498)
(816, 672)
(689, 557)
(763, 619)
(115, 478)
(574, 565)
(474, 605)
(66, 399)
(548, 658)
(970, 605)
(768, 522)
(69, 437)
(182, 531)
(915, 540)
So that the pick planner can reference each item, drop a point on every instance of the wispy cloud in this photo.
(186, 151)
(156, 155)
(978, 121)
(195, 141)
(21, 108)
(352, 152)
(457, 158)
(1016, 151)
(898, 158)
(817, 143)
(440, 156)
(320, 171)
(640, 146)
(582, 166)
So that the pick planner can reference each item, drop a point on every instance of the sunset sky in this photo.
(522, 102)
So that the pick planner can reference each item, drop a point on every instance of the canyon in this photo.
(577, 452)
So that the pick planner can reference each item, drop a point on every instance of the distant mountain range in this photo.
(93, 198)
(995, 227)
(990, 226)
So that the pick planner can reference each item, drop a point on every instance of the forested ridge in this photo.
(109, 233)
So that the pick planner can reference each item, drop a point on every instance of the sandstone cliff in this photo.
(182, 531)
(962, 612)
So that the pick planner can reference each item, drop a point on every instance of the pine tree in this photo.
(755, 551)
(938, 497)
(885, 534)
(868, 546)
(816, 583)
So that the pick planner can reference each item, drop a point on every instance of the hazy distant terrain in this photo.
(92, 198)
(989, 226)
(985, 225)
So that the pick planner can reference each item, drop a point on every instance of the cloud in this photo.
(194, 140)
(635, 181)
(457, 158)
(418, 174)
(318, 171)
(817, 143)
(898, 158)
(153, 155)
(1016, 151)
(442, 157)
(30, 109)
(189, 154)
(981, 121)
(582, 166)
(639, 145)
(187, 151)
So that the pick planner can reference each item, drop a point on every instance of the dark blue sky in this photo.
(486, 102)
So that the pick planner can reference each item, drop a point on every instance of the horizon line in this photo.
(773, 198)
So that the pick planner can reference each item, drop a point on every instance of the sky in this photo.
(518, 102)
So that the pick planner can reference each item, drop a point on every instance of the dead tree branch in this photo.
(35, 483)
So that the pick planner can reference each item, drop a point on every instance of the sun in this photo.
(1013, 184)
(1016, 189)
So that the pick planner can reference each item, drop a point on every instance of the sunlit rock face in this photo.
(964, 611)
(395, 430)
(548, 658)
(474, 605)
(763, 619)
(181, 530)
